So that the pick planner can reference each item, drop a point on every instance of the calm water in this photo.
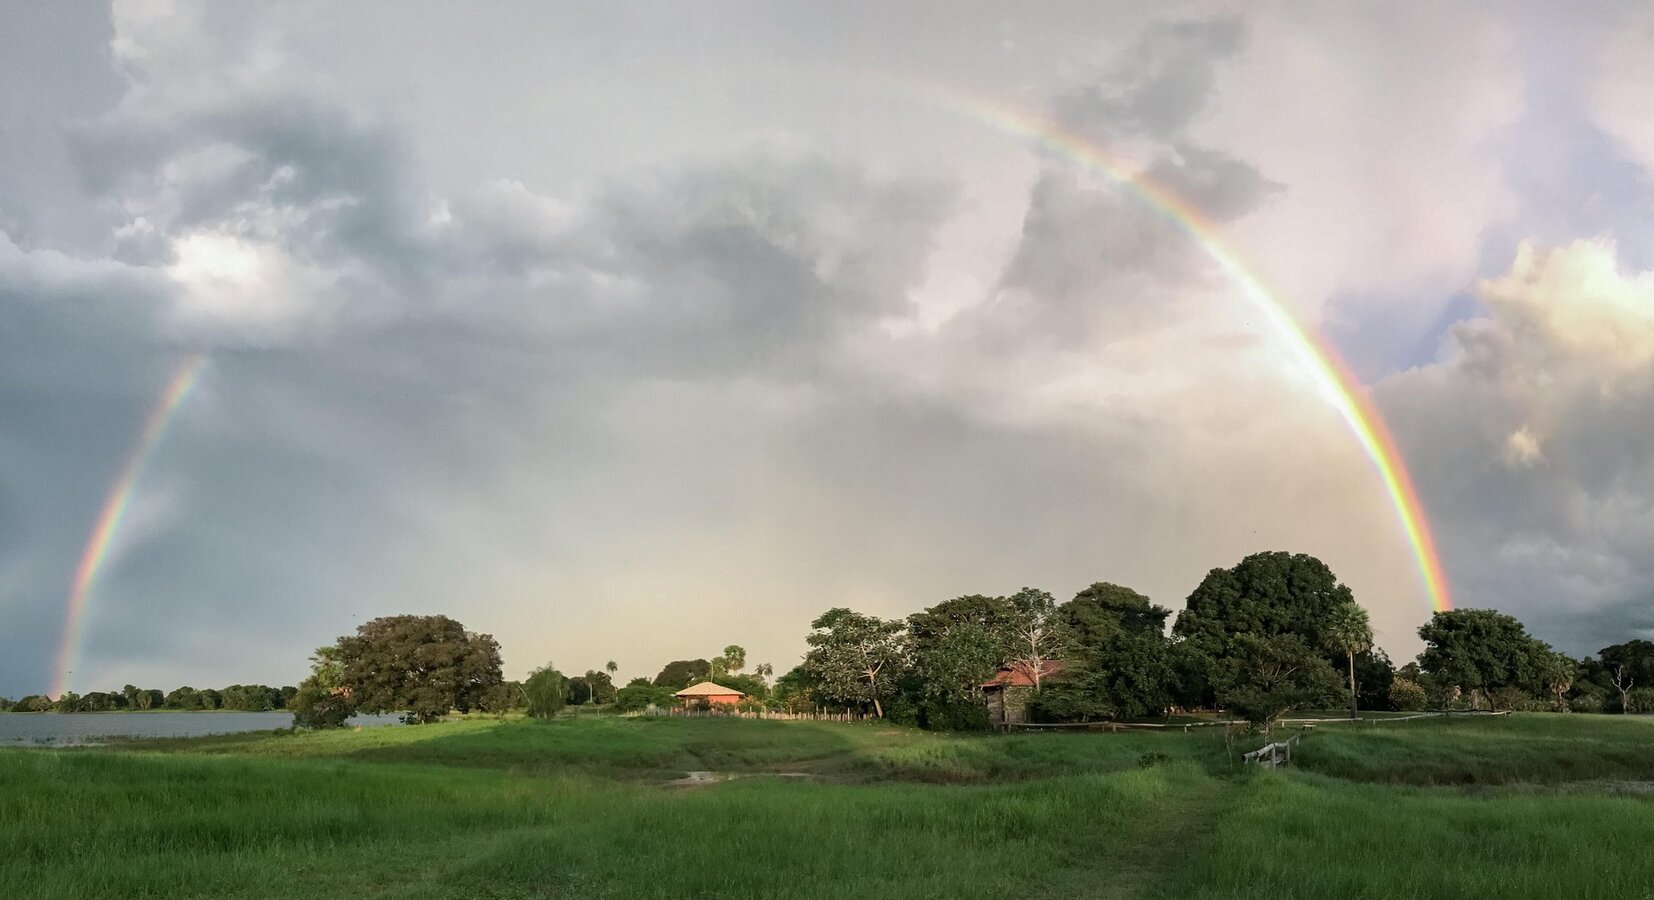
(83, 728)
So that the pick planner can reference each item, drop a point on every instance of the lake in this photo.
(91, 728)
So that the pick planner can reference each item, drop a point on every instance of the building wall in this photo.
(712, 700)
(1009, 705)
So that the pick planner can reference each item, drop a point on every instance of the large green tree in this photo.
(958, 644)
(1264, 595)
(1626, 667)
(1484, 653)
(853, 657)
(421, 666)
(1118, 662)
(681, 673)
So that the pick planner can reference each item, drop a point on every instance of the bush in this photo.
(547, 691)
(1408, 695)
(314, 707)
(1510, 698)
(1587, 703)
(33, 703)
(638, 697)
(1151, 759)
(943, 715)
(1640, 700)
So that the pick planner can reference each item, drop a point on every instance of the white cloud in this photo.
(1530, 442)
(1617, 91)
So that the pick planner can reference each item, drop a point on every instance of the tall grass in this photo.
(576, 809)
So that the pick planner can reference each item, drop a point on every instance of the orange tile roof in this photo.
(1020, 677)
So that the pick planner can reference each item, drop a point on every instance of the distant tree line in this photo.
(549, 691)
(238, 697)
(1276, 633)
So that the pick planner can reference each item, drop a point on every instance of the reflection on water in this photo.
(63, 729)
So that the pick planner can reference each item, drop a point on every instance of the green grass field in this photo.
(1529, 806)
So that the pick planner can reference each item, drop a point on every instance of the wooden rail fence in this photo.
(1273, 754)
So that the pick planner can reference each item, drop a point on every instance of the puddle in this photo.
(702, 779)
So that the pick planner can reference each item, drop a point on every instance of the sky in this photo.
(630, 331)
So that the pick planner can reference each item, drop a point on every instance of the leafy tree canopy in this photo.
(1264, 678)
(1266, 594)
(958, 644)
(1118, 662)
(547, 691)
(423, 666)
(853, 657)
(681, 673)
(1483, 652)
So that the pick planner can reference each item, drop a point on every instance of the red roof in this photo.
(1018, 676)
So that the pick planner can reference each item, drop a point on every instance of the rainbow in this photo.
(1345, 392)
(114, 508)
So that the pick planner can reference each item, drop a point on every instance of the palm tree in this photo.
(1349, 631)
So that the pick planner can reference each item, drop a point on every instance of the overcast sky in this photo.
(629, 331)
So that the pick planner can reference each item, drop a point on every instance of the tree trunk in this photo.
(877, 708)
(1352, 686)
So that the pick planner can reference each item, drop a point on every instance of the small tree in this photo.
(1407, 696)
(1349, 631)
(547, 690)
(1037, 633)
(1264, 678)
(850, 655)
(321, 700)
(1560, 670)
(733, 660)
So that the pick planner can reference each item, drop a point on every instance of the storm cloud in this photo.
(631, 338)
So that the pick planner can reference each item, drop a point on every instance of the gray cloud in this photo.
(1531, 437)
(469, 369)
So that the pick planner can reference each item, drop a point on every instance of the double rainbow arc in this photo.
(1310, 351)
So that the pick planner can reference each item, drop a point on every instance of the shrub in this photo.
(638, 697)
(547, 692)
(1640, 700)
(944, 715)
(1151, 759)
(1510, 698)
(315, 707)
(1586, 703)
(1408, 695)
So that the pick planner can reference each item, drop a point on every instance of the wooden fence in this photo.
(1272, 755)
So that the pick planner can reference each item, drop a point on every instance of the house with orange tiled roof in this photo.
(708, 694)
(1009, 691)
